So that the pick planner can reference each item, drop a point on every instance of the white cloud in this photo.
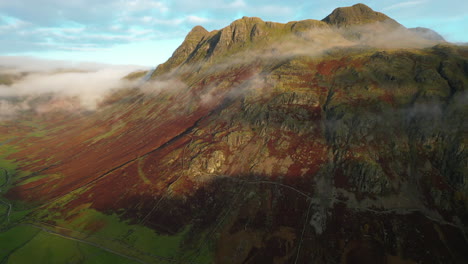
(83, 49)
(138, 5)
(147, 19)
(238, 4)
(197, 19)
(67, 86)
(404, 5)
(89, 87)
(32, 64)
(169, 22)
(13, 24)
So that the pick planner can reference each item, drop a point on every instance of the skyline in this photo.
(146, 32)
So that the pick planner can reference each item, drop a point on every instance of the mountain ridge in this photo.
(356, 23)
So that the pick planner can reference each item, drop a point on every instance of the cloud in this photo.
(381, 35)
(61, 25)
(42, 85)
(404, 5)
(166, 83)
(141, 5)
(87, 87)
(197, 20)
(237, 4)
(9, 110)
(32, 64)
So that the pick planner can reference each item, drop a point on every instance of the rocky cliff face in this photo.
(278, 153)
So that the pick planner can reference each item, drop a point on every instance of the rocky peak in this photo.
(246, 19)
(201, 44)
(239, 31)
(195, 36)
(358, 14)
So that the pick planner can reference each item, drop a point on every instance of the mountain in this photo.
(358, 14)
(333, 141)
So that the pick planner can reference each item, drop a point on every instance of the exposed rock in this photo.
(193, 38)
(214, 163)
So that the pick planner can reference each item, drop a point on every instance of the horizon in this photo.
(145, 33)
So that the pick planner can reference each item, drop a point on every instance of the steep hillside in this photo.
(262, 142)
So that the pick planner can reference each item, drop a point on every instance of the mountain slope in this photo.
(257, 143)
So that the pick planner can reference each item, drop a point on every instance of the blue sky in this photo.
(146, 32)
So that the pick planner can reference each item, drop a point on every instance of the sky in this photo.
(146, 32)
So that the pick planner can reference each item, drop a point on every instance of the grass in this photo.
(83, 222)
(113, 130)
(9, 165)
(14, 239)
(147, 240)
(38, 177)
(119, 235)
(27, 244)
(132, 235)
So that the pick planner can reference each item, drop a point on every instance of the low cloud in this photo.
(154, 87)
(44, 86)
(89, 87)
(32, 64)
(383, 35)
(59, 85)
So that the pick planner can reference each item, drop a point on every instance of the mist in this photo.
(380, 35)
(62, 85)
